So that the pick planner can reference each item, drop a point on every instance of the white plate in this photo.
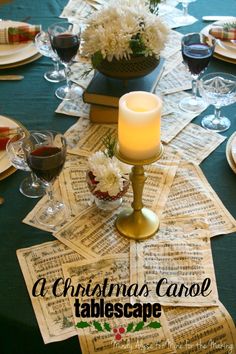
(226, 49)
(233, 149)
(11, 49)
(4, 161)
(229, 156)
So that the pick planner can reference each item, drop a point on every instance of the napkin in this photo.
(13, 35)
(6, 134)
(225, 33)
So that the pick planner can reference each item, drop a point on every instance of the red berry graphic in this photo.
(115, 330)
(121, 330)
(118, 337)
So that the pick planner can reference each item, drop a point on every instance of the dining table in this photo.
(32, 102)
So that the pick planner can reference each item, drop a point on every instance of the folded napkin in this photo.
(12, 35)
(6, 134)
(225, 32)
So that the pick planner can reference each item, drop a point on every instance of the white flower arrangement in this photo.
(107, 175)
(108, 172)
(121, 29)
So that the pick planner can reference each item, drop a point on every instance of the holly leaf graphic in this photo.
(82, 324)
(107, 327)
(129, 327)
(154, 325)
(97, 326)
(139, 326)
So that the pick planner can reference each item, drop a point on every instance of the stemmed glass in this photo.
(197, 50)
(65, 41)
(31, 186)
(185, 19)
(218, 89)
(46, 159)
(43, 44)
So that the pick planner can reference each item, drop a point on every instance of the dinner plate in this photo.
(233, 149)
(229, 156)
(5, 166)
(22, 62)
(11, 49)
(223, 50)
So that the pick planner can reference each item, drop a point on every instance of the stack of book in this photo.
(103, 93)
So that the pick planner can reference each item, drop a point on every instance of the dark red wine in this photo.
(66, 46)
(46, 162)
(197, 57)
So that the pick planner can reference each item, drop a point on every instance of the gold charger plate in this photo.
(23, 62)
(229, 154)
(221, 57)
(7, 169)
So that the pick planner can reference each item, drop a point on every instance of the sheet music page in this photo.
(98, 337)
(75, 107)
(78, 10)
(54, 315)
(202, 330)
(191, 195)
(94, 233)
(178, 79)
(172, 261)
(195, 143)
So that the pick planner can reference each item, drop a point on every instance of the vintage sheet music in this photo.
(179, 256)
(116, 270)
(195, 143)
(191, 195)
(75, 107)
(93, 233)
(54, 315)
(179, 79)
(202, 330)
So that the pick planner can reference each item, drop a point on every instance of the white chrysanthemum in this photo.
(95, 161)
(109, 173)
(109, 180)
(110, 30)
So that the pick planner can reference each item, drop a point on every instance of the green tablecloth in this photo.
(32, 102)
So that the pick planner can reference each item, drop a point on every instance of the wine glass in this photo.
(43, 44)
(65, 41)
(197, 50)
(185, 18)
(31, 186)
(218, 89)
(46, 159)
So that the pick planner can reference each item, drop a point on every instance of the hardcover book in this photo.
(106, 91)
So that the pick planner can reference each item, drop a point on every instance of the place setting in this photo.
(17, 43)
(225, 33)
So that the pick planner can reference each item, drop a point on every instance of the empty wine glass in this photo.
(43, 44)
(65, 41)
(31, 186)
(218, 89)
(46, 159)
(197, 50)
(185, 18)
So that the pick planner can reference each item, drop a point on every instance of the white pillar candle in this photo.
(139, 125)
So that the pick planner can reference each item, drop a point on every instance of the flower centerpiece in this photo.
(124, 39)
(107, 177)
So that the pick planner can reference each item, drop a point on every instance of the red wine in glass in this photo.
(197, 57)
(66, 46)
(46, 162)
(197, 50)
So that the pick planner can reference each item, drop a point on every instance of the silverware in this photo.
(217, 18)
(11, 77)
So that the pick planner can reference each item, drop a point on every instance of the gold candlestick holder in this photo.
(138, 223)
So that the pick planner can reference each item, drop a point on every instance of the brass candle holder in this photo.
(138, 223)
